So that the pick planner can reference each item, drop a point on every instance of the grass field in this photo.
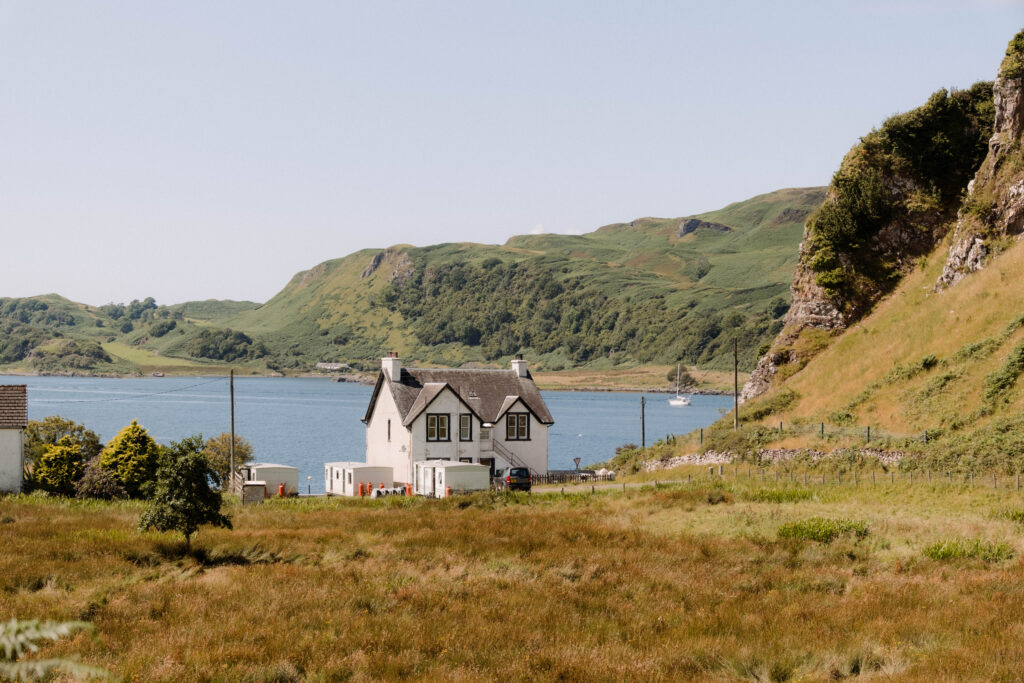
(692, 581)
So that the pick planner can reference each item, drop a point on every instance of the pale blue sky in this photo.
(187, 150)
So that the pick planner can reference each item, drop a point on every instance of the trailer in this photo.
(435, 478)
(344, 478)
(276, 476)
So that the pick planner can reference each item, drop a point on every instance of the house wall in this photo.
(11, 466)
(275, 476)
(445, 402)
(380, 451)
(534, 452)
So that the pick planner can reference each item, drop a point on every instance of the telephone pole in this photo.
(643, 422)
(735, 384)
(231, 466)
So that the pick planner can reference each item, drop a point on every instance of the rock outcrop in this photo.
(694, 224)
(994, 207)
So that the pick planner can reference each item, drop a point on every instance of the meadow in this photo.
(712, 580)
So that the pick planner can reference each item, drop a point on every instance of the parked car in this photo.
(513, 479)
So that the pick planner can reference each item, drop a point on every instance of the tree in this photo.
(18, 638)
(218, 452)
(47, 432)
(185, 495)
(59, 467)
(131, 459)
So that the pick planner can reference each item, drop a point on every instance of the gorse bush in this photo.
(59, 467)
(964, 549)
(822, 530)
(131, 460)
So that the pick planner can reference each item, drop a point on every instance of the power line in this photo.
(132, 397)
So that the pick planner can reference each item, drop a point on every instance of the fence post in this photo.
(911, 476)
(720, 468)
(892, 477)
(823, 430)
(994, 484)
(855, 477)
(701, 436)
(805, 477)
(822, 478)
(869, 433)
(780, 426)
(687, 477)
(926, 436)
(711, 471)
(1018, 481)
(872, 476)
(929, 476)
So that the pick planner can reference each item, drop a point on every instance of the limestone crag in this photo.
(994, 207)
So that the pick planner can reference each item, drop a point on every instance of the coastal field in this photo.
(712, 580)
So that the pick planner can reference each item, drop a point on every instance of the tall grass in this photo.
(669, 583)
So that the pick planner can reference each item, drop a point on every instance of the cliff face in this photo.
(994, 207)
(894, 198)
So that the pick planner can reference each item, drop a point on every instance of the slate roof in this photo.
(13, 406)
(488, 394)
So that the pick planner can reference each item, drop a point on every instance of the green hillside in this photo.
(653, 290)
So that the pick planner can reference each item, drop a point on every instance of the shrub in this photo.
(96, 483)
(161, 328)
(822, 530)
(964, 549)
(59, 467)
(42, 433)
(131, 459)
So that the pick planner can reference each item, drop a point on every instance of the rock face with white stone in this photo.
(994, 207)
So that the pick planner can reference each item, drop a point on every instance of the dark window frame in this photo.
(519, 420)
(469, 434)
(439, 419)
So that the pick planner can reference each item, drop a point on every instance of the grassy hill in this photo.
(651, 291)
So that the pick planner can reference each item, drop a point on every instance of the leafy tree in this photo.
(39, 434)
(225, 345)
(131, 459)
(161, 328)
(59, 467)
(97, 483)
(218, 452)
(186, 495)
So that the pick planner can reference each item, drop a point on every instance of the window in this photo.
(465, 459)
(465, 427)
(437, 427)
(485, 433)
(517, 427)
(389, 430)
(349, 477)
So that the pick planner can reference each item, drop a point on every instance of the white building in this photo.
(13, 418)
(344, 478)
(434, 478)
(492, 417)
(273, 476)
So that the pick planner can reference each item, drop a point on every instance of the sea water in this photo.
(305, 422)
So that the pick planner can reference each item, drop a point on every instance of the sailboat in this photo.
(678, 400)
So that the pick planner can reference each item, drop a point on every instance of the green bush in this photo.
(964, 549)
(59, 467)
(131, 459)
(822, 530)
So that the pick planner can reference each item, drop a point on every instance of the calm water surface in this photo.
(306, 422)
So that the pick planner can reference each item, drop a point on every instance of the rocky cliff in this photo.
(994, 208)
(895, 197)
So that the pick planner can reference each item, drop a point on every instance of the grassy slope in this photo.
(644, 585)
(748, 266)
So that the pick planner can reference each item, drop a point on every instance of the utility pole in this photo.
(735, 384)
(643, 424)
(231, 466)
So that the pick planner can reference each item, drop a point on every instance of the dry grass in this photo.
(683, 582)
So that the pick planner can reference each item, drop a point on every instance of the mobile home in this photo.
(274, 475)
(344, 478)
(432, 478)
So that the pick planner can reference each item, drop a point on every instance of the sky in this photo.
(193, 150)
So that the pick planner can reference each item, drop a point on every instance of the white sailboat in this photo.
(678, 400)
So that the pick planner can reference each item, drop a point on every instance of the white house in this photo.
(13, 418)
(492, 417)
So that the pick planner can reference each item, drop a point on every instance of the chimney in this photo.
(519, 365)
(392, 366)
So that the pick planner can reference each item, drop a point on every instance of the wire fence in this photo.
(826, 431)
(739, 473)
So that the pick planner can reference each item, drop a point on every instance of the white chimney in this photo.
(519, 365)
(392, 366)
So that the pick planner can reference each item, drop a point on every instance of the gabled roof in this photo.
(485, 393)
(13, 406)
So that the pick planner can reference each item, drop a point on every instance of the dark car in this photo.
(514, 479)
